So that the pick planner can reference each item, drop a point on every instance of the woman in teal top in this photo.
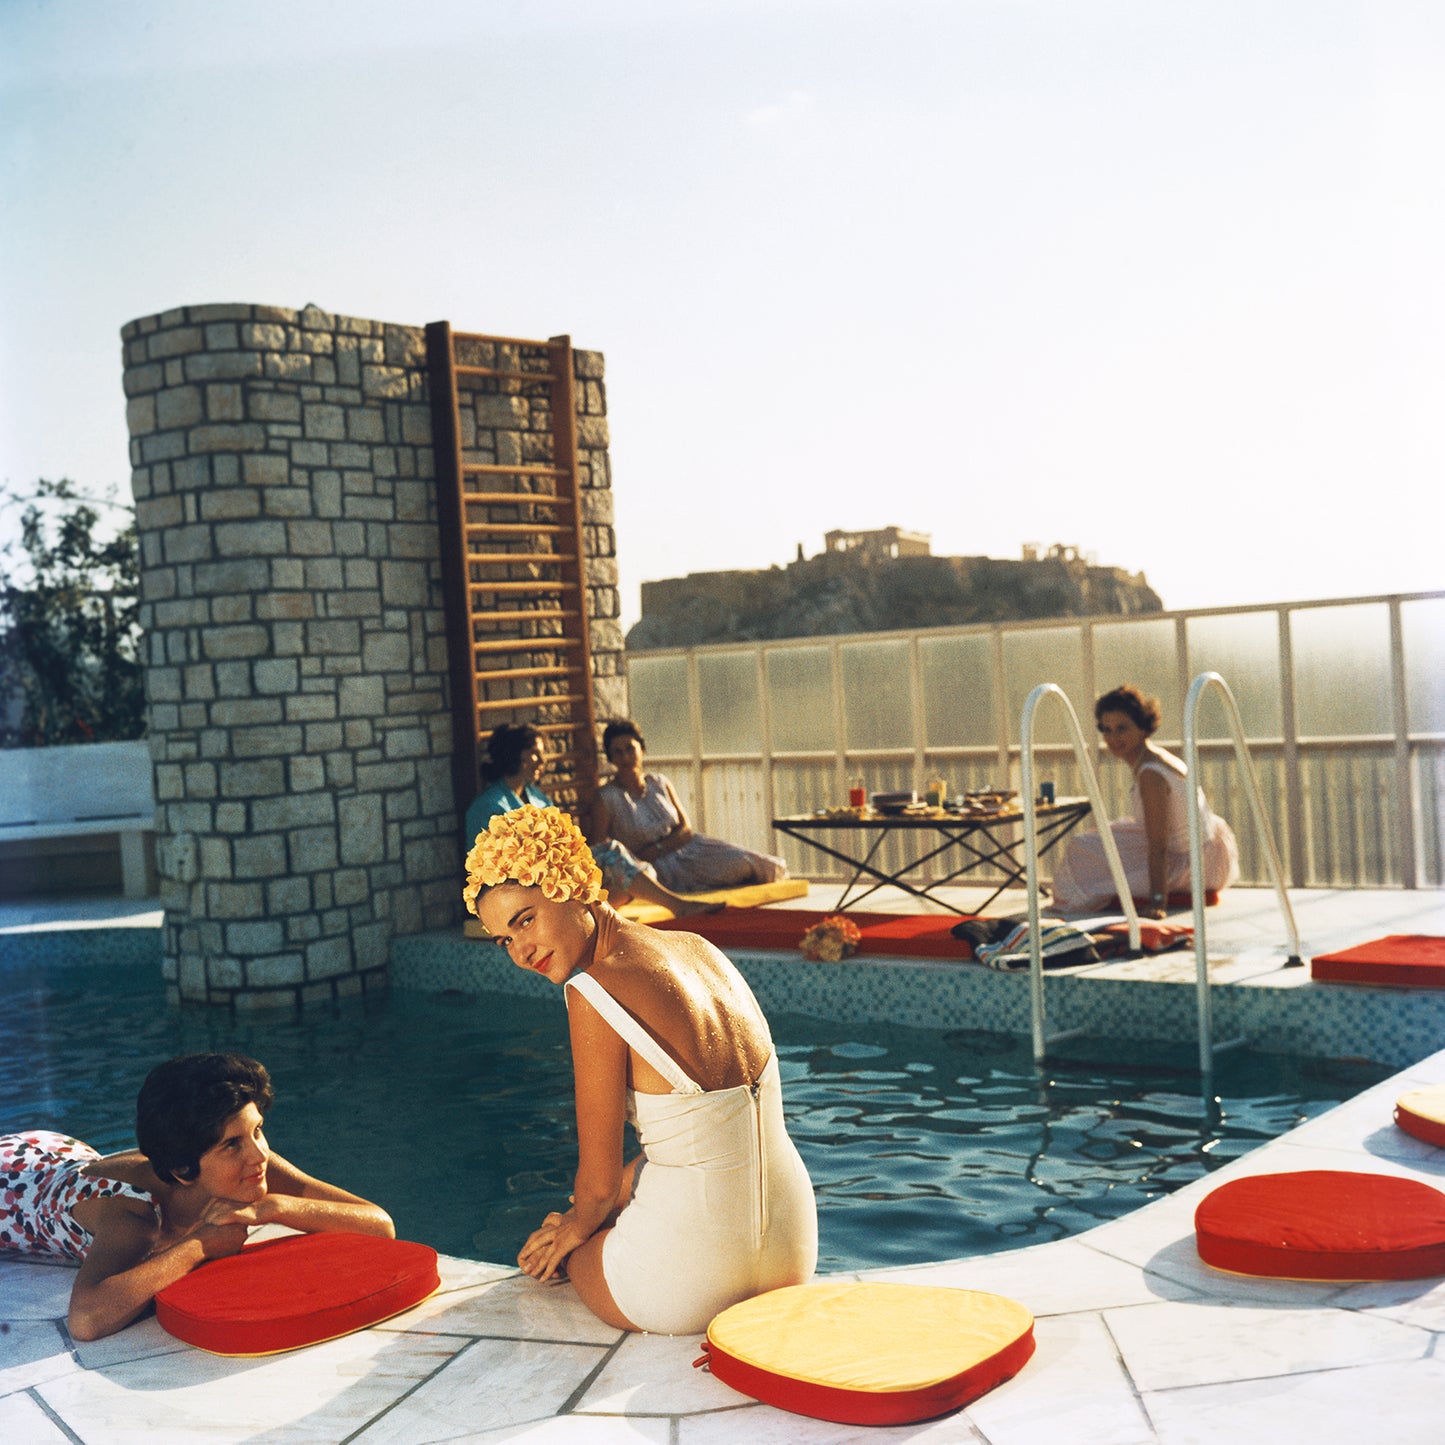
(510, 771)
(513, 764)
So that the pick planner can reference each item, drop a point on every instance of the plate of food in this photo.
(891, 804)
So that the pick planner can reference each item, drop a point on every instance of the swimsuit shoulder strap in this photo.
(633, 1034)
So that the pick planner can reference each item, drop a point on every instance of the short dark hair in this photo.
(184, 1104)
(1144, 712)
(505, 746)
(621, 728)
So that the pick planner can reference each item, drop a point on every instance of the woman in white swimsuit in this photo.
(665, 1032)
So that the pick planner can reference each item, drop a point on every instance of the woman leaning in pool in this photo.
(141, 1219)
(664, 1030)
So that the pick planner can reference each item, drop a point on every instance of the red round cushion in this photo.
(1421, 1112)
(1324, 1224)
(870, 1354)
(296, 1291)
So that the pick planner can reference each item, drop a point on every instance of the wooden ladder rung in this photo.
(491, 558)
(546, 640)
(492, 498)
(496, 674)
(503, 703)
(550, 377)
(539, 586)
(517, 529)
(522, 645)
(521, 469)
(503, 341)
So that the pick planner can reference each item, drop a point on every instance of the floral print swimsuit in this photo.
(40, 1184)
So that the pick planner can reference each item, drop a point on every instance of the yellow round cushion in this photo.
(1421, 1112)
(870, 1354)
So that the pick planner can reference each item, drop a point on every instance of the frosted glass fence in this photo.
(1343, 701)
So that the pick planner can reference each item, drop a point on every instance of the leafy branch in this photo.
(70, 669)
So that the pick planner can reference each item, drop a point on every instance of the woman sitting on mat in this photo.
(141, 1219)
(1154, 843)
(514, 762)
(642, 812)
(665, 1031)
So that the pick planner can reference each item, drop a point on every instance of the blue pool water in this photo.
(455, 1111)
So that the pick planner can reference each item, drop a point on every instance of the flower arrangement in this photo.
(835, 938)
(538, 848)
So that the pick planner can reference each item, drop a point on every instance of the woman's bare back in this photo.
(693, 1001)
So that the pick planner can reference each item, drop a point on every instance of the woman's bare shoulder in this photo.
(129, 1166)
(1161, 760)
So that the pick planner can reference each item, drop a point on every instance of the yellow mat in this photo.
(755, 895)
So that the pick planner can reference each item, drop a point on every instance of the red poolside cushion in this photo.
(1414, 960)
(1421, 1112)
(1324, 1224)
(296, 1291)
(870, 1354)
(898, 935)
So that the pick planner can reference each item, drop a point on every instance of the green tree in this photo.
(70, 669)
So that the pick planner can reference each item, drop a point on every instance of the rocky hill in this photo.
(839, 592)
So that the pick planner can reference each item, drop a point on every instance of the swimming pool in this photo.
(455, 1112)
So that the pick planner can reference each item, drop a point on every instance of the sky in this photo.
(1159, 280)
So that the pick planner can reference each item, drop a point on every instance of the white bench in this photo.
(78, 792)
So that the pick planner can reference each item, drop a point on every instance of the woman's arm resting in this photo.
(1155, 793)
(313, 1206)
(681, 833)
(600, 1064)
(129, 1264)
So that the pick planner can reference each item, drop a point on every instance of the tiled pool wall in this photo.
(1389, 1026)
(123, 945)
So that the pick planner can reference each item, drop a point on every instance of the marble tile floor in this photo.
(1138, 1341)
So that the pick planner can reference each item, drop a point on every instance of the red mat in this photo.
(1324, 1224)
(1407, 960)
(900, 935)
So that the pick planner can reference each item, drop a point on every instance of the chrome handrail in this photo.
(1207, 1047)
(1031, 852)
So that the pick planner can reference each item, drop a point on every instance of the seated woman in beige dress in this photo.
(642, 812)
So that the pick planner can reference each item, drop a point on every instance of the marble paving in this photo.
(1138, 1341)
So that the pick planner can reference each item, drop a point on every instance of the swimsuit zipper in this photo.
(761, 1219)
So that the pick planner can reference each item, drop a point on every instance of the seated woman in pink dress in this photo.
(1153, 844)
(643, 813)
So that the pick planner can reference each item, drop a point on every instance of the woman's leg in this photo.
(644, 888)
(584, 1269)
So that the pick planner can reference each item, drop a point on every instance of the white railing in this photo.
(1343, 703)
(1207, 1045)
(1028, 792)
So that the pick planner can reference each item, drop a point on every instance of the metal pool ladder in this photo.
(1031, 853)
(1208, 1046)
(1201, 684)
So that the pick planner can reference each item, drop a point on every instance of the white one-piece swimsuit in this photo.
(722, 1208)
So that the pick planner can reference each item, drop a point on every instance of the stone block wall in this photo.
(296, 673)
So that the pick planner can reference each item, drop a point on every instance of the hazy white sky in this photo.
(1159, 279)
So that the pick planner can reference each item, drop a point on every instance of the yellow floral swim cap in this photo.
(538, 848)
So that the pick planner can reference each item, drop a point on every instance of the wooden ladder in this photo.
(513, 563)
